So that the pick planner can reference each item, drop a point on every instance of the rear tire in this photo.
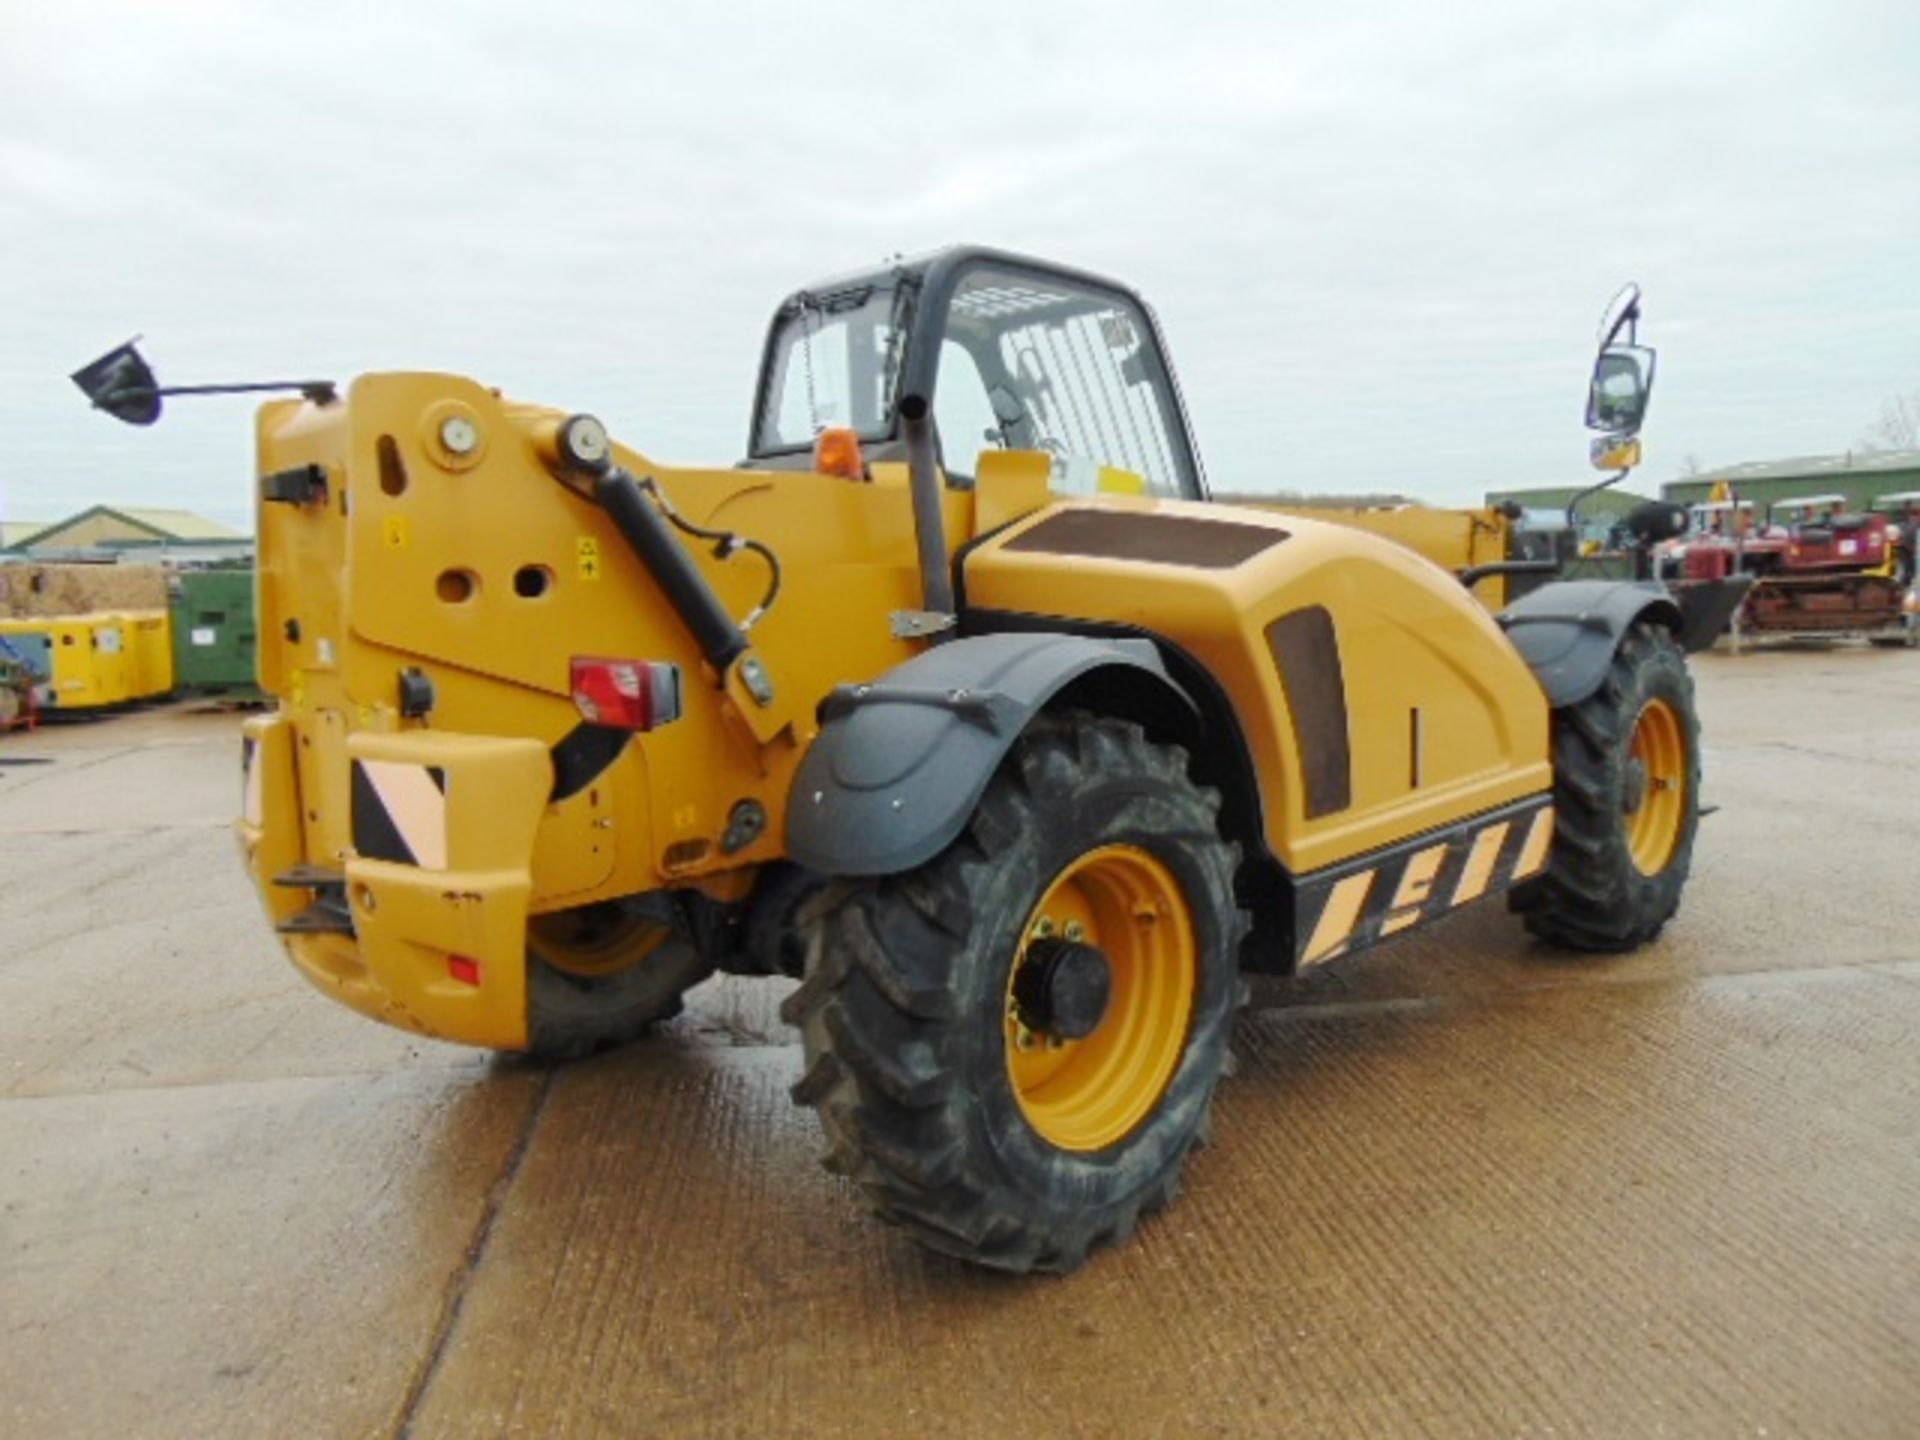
(1626, 793)
(913, 1051)
(600, 975)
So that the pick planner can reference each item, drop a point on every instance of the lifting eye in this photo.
(456, 587)
(393, 470)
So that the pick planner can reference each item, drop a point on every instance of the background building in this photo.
(1861, 476)
(1546, 508)
(1614, 503)
(114, 531)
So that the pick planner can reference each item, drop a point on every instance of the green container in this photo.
(213, 634)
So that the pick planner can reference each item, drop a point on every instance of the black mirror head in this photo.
(1622, 386)
(121, 383)
(1655, 520)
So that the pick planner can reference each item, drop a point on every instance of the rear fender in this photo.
(1568, 632)
(1706, 608)
(900, 763)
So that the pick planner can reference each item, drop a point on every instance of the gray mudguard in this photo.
(900, 763)
(1567, 632)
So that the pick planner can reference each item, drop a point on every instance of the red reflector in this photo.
(463, 968)
(626, 694)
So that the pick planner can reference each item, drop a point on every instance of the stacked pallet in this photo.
(37, 592)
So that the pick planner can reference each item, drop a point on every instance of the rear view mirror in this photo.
(1613, 452)
(1622, 385)
(121, 383)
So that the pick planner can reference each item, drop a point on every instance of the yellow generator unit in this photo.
(148, 636)
(82, 661)
(958, 699)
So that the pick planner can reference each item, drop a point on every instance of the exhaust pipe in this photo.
(929, 520)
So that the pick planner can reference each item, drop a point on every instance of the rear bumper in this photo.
(443, 827)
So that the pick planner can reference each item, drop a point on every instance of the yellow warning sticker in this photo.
(586, 551)
(393, 530)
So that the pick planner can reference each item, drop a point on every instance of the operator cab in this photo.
(1015, 355)
(1813, 518)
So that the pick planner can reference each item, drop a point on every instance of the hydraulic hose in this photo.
(645, 530)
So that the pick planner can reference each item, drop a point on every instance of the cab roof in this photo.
(934, 265)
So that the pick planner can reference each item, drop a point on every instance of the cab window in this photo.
(1035, 362)
(962, 414)
(835, 364)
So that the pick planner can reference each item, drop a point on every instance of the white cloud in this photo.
(1378, 239)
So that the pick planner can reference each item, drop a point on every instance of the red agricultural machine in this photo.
(1819, 568)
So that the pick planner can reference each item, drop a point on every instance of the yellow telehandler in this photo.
(957, 699)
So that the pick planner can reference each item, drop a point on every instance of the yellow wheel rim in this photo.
(1086, 1094)
(594, 941)
(1654, 823)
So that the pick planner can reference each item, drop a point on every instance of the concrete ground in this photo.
(1460, 1187)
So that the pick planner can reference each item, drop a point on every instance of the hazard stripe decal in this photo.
(400, 813)
(1533, 852)
(1349, 906)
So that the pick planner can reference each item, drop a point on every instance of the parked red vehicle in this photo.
(1837, 572)
(1903, 529)
(1722, 539)
(1819, 568)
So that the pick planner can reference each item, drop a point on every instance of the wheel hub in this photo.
(1633, 793)
(1062, 988)
(1108, 964)
(1654, 789)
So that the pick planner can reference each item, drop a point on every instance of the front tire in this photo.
(961, 1118)
(1626, 794)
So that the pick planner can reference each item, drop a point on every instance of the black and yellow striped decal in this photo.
(1350, 906)
(400, 813)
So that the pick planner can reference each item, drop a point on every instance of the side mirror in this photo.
(1622, 385)
(121, 383)
(1613, 452)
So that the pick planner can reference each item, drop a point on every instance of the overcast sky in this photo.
(1378, 243)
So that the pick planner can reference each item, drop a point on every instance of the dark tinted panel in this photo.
(1307, 653)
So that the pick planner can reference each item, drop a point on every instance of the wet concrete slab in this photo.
(239, 1258)
(1461, 1186)
(136, 958)
(1680, 1213)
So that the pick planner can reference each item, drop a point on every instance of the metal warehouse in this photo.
(1861, 476)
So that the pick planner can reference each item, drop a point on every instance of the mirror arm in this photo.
(320, 392)
(1573, 505)
(1628, 319)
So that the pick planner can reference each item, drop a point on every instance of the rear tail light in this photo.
(626, 694)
